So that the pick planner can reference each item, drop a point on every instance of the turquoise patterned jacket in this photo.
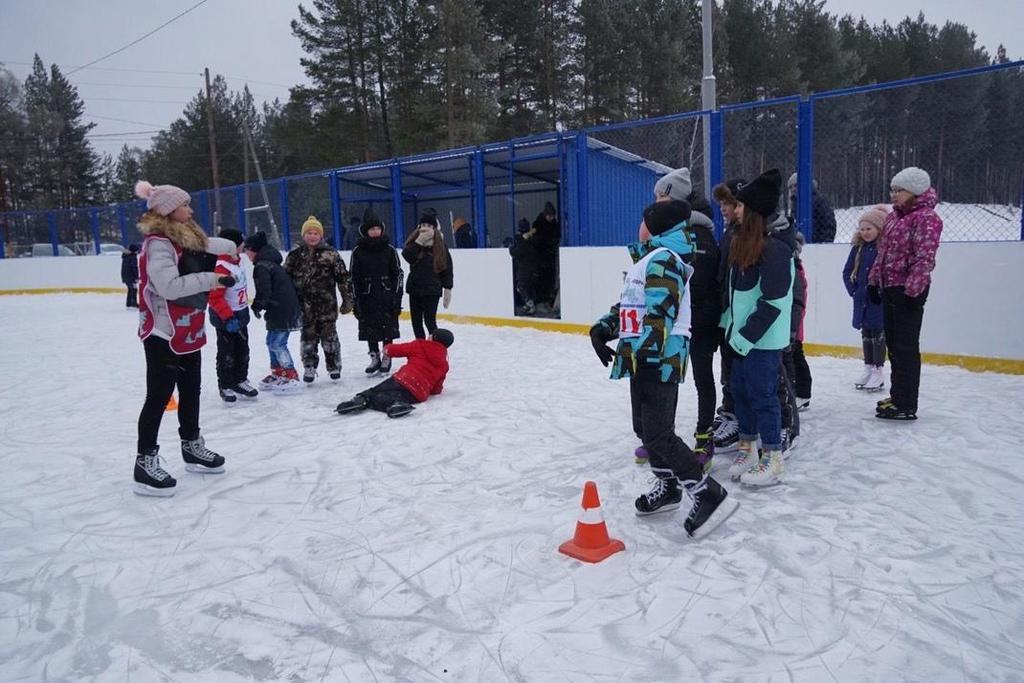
(666, 281)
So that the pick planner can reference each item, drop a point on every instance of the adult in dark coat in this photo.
(465, 236)
(823, 217)
(130, 275)
(377, 283)
(547, 239)
(525, 267)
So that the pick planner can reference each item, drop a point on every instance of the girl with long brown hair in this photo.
(757, 327)
(430, 273)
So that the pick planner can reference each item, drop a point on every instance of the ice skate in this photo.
(151, 479)
(665, 495)
(309, 374)
(711, 505)
(245, 389)
(353, 405)
(199, 458)
(746, 457)
(727, 432)
(385, 364)
(289, 383)
(890, 411)
(374, 365)
(227, 395)
(400, 409)
(865, 375)
(767, 472)
(876, 381)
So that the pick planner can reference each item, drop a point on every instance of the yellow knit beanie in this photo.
(312, 224)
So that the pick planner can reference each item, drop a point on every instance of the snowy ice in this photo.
(425, 549)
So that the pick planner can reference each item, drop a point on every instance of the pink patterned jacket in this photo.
(906, 255)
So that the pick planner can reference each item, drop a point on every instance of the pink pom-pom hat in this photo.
(163, 199)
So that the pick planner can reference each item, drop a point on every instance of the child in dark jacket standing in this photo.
(419, 379)
(377, 284)
(276, 295)
(316, 269)
(130, 274)
(229, 315)
(430, 274)
(797, 369)
(867, 315)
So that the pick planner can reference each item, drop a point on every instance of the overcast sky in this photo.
(251, 41)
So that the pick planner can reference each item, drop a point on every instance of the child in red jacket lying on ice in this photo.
(419, 379)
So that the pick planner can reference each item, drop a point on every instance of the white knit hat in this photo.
(912, 179)
(163, 199)
(676, 184)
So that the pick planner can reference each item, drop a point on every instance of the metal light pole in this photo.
(707, 90)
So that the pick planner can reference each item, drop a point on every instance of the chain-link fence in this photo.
(963, 128)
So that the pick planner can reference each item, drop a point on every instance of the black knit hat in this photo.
(429, 216)
(232, 234)
(662, 216)
(761, 195)
(256, 241)
(134, 247)
(443, 336)
(524, 225)
(370, 220)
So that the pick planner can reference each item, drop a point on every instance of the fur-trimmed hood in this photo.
(185, 235)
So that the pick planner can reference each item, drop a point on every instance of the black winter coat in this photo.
(377, 285)
(465, 237)
(130, 268)
(275, 292)
(547, 237)
(705, 289)
(423, 281)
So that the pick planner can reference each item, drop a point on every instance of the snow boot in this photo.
(641, 456)
(245, 389)
(876, 382)
(704, 448)
(353, 405)
(309, 374)
(399, 409)
(710, 506)
(746, 457)
(727, 432)
(374, 365)
(665, 495)
(151, 479)
(228, 395)
(199, 458)
(766, 472)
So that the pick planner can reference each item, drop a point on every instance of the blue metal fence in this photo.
(600, 178)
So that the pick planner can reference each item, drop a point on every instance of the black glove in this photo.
(599, 338)
(258, 312)
(227, 280)
(914, 303)
(874, 294)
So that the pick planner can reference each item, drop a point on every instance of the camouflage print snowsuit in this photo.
(316, 272)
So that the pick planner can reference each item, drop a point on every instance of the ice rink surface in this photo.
(425, 549)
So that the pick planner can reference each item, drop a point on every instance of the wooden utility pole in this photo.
(213, 154)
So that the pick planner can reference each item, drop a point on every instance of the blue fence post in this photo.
(582, 199)
(397, 206)
(479, 197)
(512, 183)
(715, 164)
(51, 226)
(94, 221)
(335, 207)
(122, 222)
(805, 167)
(240, 203)
(282, 193)
(563, 195)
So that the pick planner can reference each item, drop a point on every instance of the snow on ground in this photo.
(424, 549)
(961, 222)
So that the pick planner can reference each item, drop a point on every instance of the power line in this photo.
(160, 71)
(124, 132)
(111, 118)
(138, 40)
(137, 85)
(122, 99)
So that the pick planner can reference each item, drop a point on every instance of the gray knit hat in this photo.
(676, 184)
(912, 179)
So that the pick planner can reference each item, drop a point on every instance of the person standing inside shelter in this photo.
(652, 324)
(524, 267)
(130, 275)
(900, 280)
(706, 303)
(547, 238)
(465, 236)
(175, 277)
(377, 285)
(317, 269)
(430, 274)
(757, 327)
(823, 218)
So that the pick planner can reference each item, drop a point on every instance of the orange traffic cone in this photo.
(591, 542)
(172, 405)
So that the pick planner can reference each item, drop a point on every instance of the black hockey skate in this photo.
(151, 479)
(890, 411)
(400, 409)
(353, 405)
(664, 496)
(228, 395)
(199, 458)
(245, 389)
(711, 506)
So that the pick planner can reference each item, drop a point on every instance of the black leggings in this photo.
(703, 343)
(374, 346)
(423, 309)
(165, 370)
